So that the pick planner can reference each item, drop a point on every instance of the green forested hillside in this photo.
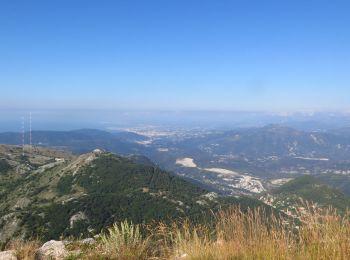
(115, 188)
(55, 195)
(311, 189)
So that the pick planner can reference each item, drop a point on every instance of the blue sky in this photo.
(175, 55)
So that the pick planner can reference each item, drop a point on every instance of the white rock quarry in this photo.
(232, 178)
(186, 162)
(249, 183)
(222, 171)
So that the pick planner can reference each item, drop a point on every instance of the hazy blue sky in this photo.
(174, 54)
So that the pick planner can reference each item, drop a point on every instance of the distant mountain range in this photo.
(255, 157)
(79, 141)
(273, 140)
(253, 143)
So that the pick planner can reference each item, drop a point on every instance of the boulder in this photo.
(8, 255)
(51, 250)
(88, 241)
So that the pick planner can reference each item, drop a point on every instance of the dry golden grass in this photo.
(325, 235)
(233, 235)
(25, 250)
(255, 235)
(237, 235)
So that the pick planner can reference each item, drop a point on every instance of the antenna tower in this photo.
(30, 131)
(22, 136)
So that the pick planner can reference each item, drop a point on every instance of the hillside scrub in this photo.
(234, 234)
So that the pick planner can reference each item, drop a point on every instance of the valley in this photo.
(231, 162)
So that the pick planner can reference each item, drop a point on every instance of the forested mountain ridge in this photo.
(303, 192)
(48, 194)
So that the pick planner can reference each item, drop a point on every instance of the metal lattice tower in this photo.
(22, 136)
(30, 131)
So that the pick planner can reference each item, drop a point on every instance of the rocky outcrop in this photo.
(8, 255)
(80, 216)
(52, 250)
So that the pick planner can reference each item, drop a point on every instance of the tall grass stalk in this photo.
(124, 241)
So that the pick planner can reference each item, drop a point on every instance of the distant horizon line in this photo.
(128, 129)
(184, 110)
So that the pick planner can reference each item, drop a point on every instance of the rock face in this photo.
(8, 255)
(52, 250)
(77, 217)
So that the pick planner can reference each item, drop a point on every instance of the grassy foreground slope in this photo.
(234, 235)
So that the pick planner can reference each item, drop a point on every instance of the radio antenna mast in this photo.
(22, 136)
(30, 131)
